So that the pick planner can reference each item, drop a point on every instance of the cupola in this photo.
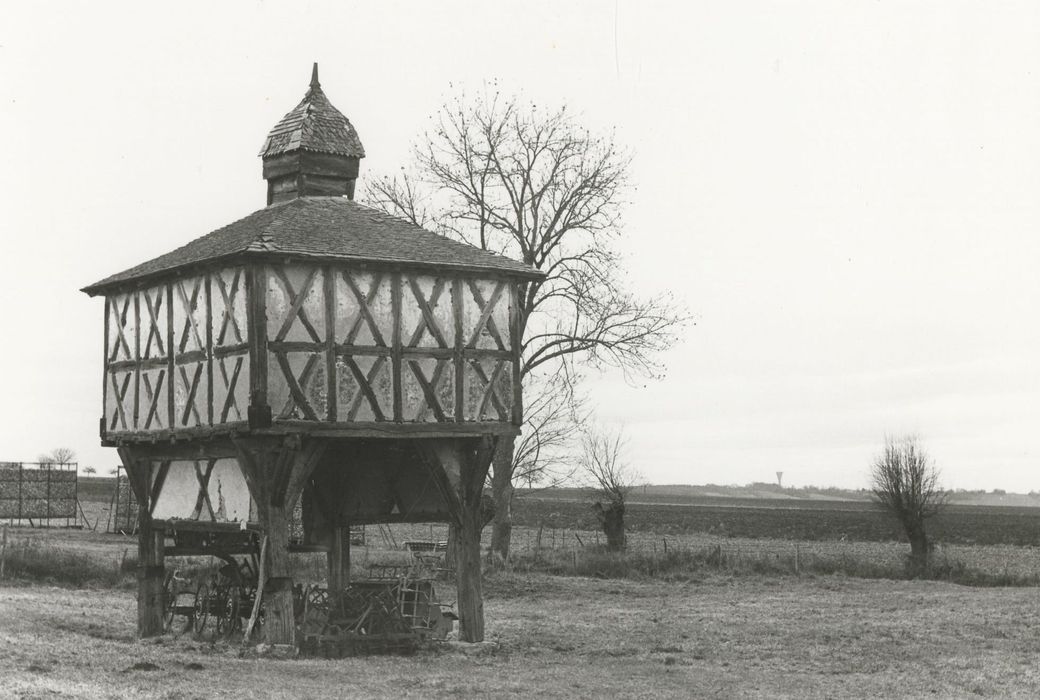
(314, 151)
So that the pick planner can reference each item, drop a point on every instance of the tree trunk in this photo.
(502, 495)
(918, 548)
(612, 517)
(469, 590)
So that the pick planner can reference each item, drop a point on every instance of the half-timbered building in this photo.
(316, 349)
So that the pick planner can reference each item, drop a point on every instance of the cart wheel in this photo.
(201, 607)
(228, 620)
(169, 600)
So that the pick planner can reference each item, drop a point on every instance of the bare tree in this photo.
(59, 455)
(905, 482)
(612, 480)
(554, 417)
(516, 179)
(89, 470)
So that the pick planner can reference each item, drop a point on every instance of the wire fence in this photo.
(33, 491)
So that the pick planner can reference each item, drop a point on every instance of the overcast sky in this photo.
(845, 195)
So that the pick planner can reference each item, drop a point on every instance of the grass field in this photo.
(807, 519)
(573, 637)
(726, 631)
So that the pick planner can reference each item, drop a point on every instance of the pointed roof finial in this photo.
(314, 77)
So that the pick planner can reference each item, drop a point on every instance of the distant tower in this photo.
(780, 479)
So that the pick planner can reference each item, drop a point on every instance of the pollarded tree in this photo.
(612, 480)
(533, 184)
(905, 482)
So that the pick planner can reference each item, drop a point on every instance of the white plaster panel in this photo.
(179, 493)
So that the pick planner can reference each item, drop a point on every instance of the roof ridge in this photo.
(329, 228)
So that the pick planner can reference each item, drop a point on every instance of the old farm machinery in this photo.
(392, 610)
(200, 597)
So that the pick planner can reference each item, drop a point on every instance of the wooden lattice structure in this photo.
(34, 491)
(315, 351)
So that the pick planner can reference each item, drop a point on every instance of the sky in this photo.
(844, 196)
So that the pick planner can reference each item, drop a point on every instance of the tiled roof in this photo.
(329, 228)
(314, 125)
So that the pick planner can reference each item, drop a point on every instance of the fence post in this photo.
(797, 563)
(3, 552)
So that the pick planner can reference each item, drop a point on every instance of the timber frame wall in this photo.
(338, 348)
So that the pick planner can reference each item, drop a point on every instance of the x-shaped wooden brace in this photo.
(486, 309)
(230, 402)
(119, 317)
(154, 307)
(429, 388)
(296, 310)
(203, 501)
(429, 321)
(153, 394)
(490, 394)
(192, 385)
(364, 383)
(297, 399)
(191, 327)
(364, 302)
(119, 417)
(157, 484)
(228, 321)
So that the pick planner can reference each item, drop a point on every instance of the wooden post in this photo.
(469, 587)
(259, 592)
(459, 467)
(150, 573)
(279, 622)
(276, 472)
(339, 557)
(150, 555)
(3, 553)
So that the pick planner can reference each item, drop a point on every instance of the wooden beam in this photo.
(395, 343)
(460, 344)
(514, 341)
(338, 557)
(136, 467)
(256, 335)
(104, 373)
(150, 571)
(137, 357)
(332, 389)
(303, 466)
(157, 484)
(183, 451)
(208, 288)
(386, 429)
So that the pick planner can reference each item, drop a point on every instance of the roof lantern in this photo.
(313, 151)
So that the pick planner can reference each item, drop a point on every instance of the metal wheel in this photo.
(315, 610)
(201, 607)
(169, 600)
(228, 619)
